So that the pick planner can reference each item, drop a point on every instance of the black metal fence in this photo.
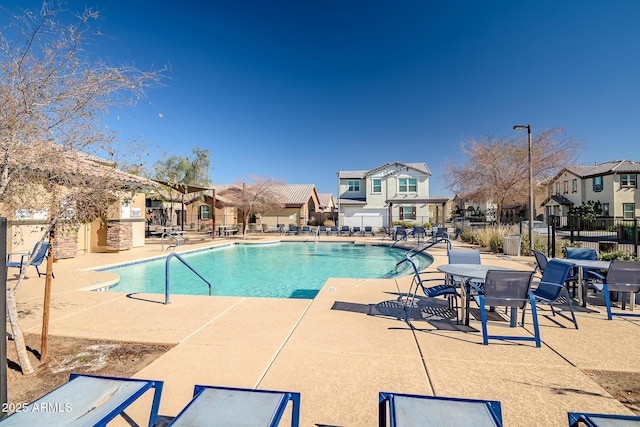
(602, 234)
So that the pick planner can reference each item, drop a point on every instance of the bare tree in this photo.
(496, 169)
(56, 154)
(259, 196)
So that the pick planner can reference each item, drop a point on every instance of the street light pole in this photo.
(531, 212)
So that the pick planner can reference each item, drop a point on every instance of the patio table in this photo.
(581, 264)
(466, 273)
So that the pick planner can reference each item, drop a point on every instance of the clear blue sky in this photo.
(299, 90)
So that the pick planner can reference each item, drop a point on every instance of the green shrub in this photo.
(620, 254)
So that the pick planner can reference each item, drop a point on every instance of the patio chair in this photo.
(306, 230)
(419, 232)
(356, 230)
(432, 287)
(333, 230)
(436, 411)
(399, 233)
(623, 276)
(292, 229)
(577, 419)
(225, 406)
(507, 288)
(40, 256)
(368, 230)
(323, 229)
(551, 286)
(87, 400)
(345, 230)
(463, 256)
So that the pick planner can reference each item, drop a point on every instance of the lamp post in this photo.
(531, 214)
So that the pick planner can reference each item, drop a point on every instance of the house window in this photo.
(628, 180)
(566, 187)
(557, 188)
(597, 183)
(407, 212)
(628, 210)
(574, 184)
(377, 186)
(354, 185)
(205, 212)
(407, 185)
(605, 209)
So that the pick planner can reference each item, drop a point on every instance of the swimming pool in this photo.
(281, 270)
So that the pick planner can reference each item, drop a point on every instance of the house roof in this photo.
(295, 194)
(559, 199)
(325, 199)
(80, 165)
(359, 174)
(608, 168)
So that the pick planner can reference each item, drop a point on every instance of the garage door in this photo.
(360, 218)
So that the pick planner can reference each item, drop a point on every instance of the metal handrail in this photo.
(166, 275)
(414, 252)
(172, 236)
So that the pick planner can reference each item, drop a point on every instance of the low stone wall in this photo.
(119, 236)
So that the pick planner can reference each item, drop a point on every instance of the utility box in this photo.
(512, 243)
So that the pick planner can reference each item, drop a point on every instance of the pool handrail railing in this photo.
(167, 277)
(416, 251)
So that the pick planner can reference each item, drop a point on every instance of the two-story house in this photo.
(390, 192)
(614, 184)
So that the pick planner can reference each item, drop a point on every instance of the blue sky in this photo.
(299, 90)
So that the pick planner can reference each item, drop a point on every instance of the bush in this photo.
(620, 254)
(328, 223)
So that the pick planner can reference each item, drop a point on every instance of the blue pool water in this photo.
(283, 270)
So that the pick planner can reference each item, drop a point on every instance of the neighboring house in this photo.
(300, 201)
(123, 229)
(327, 203)
(466, 208)
(614, 184)
(390, 192)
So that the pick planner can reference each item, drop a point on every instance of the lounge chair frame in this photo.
(411, 409)
(591, 420)
(222, 406)
(87, 400)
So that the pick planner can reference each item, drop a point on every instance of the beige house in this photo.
(614, 184)
(300, 202)
(123, 229)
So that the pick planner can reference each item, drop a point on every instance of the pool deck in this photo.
(333, 352)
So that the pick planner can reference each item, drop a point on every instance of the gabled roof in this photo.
(608, 168)
(559, 199)
(325, 199)
(295, 194)
(360, 174)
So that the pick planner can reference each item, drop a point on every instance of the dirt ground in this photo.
(73, 355)
(123, 359)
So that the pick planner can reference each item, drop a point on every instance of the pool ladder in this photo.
(167, 277)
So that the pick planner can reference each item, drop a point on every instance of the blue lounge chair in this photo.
(577, 419)
(37, 260)
(623, 276)
(551, 286)
(368, 230)
(306, 230)
(507, 288)
(87, 400)
(323, 229)
(333, 230)
(356, 230)
(434, 411)
(224, 406)
(293, 229)
(345, 230)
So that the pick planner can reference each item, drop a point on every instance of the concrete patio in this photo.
(336, 354)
